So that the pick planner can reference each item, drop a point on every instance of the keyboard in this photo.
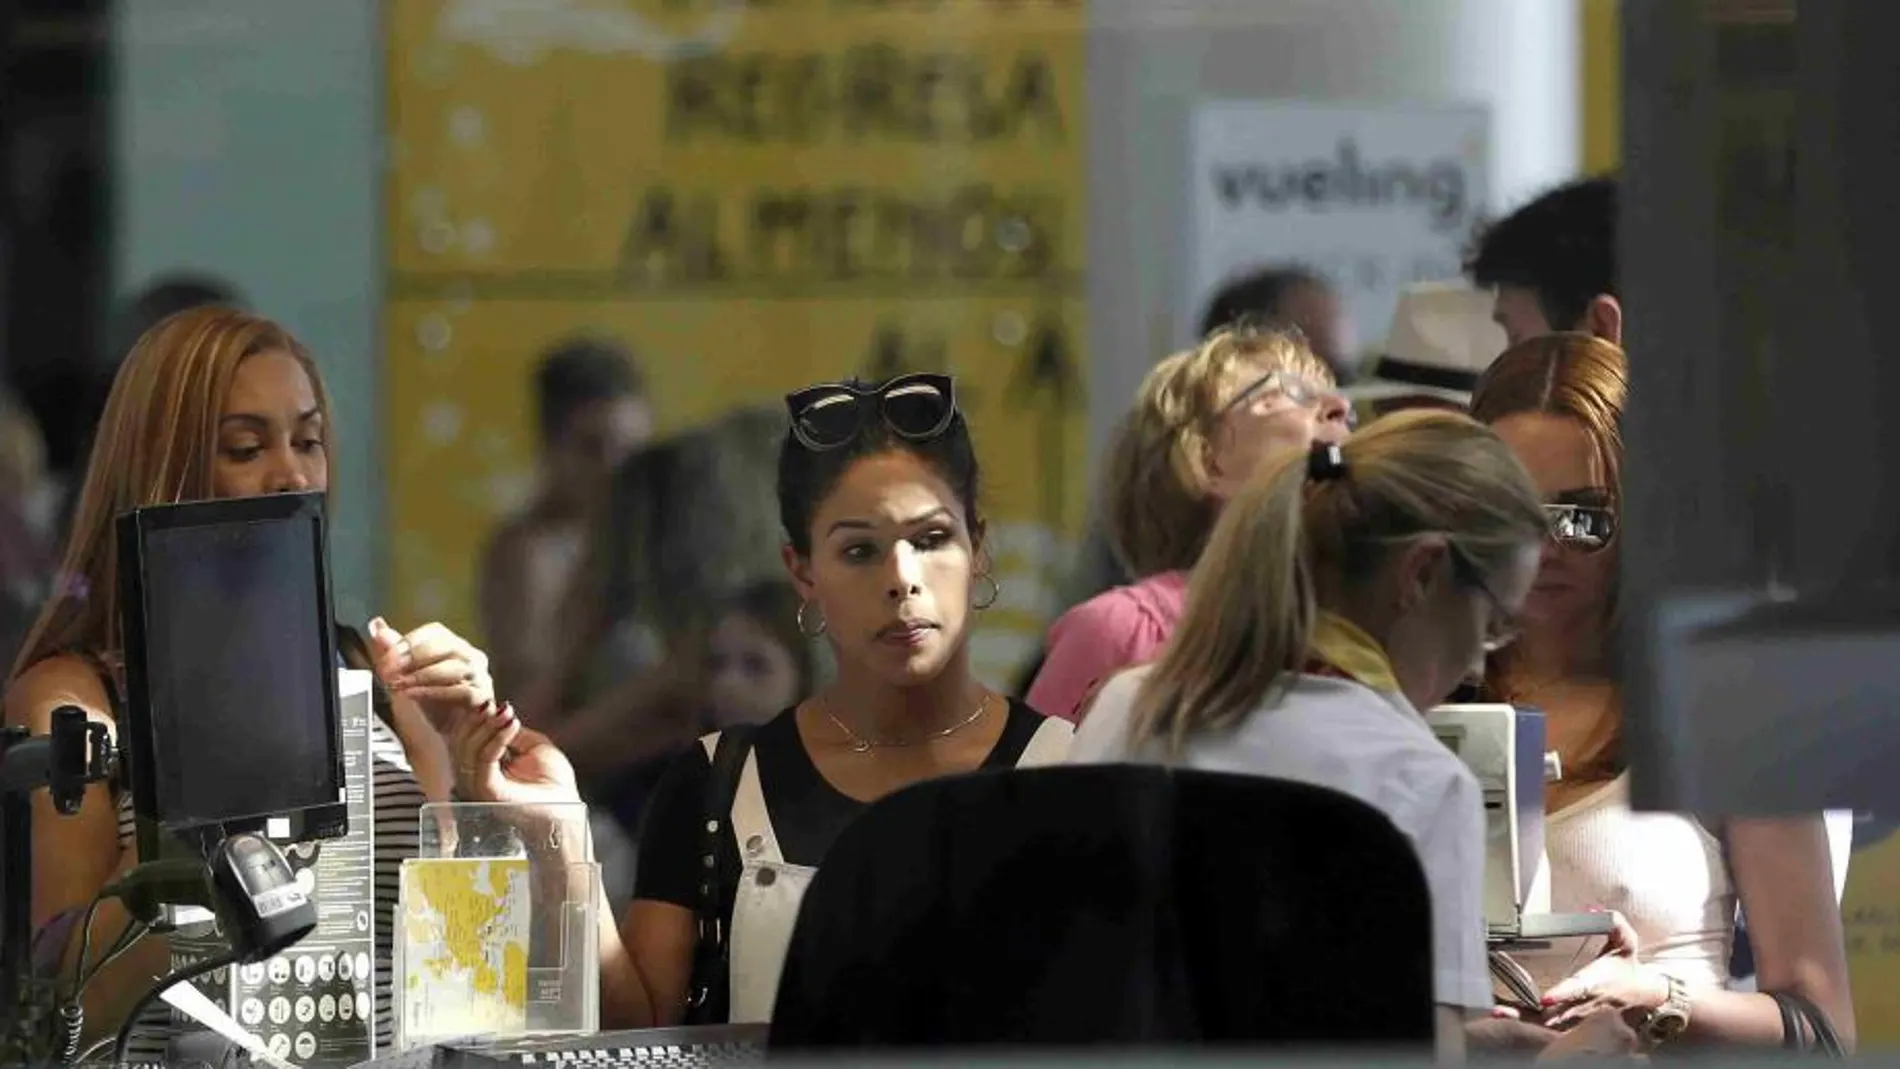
(646, 1048)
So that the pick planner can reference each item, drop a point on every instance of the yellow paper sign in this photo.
(755, 194)
(463, 934)
(1870, 915)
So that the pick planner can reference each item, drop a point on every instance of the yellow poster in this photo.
(755, 195)
(1870, 915)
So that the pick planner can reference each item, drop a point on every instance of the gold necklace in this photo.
(860, 744)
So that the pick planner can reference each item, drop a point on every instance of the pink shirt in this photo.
(1127, 625)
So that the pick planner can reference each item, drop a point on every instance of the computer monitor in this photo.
(1504, 748)
(231, 721)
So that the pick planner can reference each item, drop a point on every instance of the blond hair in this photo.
(1160, 507)
(154, 446)
(1285, 541)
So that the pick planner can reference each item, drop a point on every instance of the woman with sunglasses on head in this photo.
(1203, 420)
(877, 490)
(1558, 402)
(1343, 592)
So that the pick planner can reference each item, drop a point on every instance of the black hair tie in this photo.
(1326, 462)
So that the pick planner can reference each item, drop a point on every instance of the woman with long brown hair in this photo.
(211, 403)
(1557, 400)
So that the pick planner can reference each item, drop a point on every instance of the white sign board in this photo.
(1373, 197)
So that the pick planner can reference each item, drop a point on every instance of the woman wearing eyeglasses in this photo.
(1558, 401)
(1202, 422)
(1342, 593)
(877, 489)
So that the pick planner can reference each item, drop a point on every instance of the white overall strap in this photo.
(751, 822)
(1049, 745)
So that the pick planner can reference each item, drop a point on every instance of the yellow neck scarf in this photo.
(1344, 646)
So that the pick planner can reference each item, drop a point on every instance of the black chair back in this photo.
(1112, 904)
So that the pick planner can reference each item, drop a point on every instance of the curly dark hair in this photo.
(1561, 246)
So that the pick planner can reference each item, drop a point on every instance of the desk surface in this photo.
(1533, 928)
(710, 1045)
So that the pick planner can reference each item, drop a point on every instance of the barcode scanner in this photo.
(259, 905)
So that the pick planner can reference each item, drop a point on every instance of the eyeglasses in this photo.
(1584, 528)
(831, 415)
(1298, 391)
(1502, 629)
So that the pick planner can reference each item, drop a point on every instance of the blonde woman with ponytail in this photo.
(1343, 591)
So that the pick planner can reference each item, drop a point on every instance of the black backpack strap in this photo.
(706, 1000)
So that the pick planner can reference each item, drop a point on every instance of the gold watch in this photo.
(1668, 1020)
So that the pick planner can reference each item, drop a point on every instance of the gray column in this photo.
(1759, 230)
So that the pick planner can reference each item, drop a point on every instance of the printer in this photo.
(1504, 746)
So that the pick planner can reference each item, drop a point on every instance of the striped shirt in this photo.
(397, 802)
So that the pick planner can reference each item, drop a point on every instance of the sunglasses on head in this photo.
(831, 415)
(1584, 528)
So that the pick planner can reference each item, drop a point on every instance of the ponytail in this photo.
(1218, 664)
(1305, 529)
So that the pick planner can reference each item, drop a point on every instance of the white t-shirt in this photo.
(1373, 746)
(1663, 872)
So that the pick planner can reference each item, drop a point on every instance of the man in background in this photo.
(593, 412)
(1553, 264)
(1287, 295)
(69, 397)
(164, 296)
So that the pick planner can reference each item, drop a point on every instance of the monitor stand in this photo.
(76, 753)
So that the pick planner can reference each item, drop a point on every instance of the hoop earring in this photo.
(996, 591)
(803, 608)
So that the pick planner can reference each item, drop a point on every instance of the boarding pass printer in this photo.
(1504, 746)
